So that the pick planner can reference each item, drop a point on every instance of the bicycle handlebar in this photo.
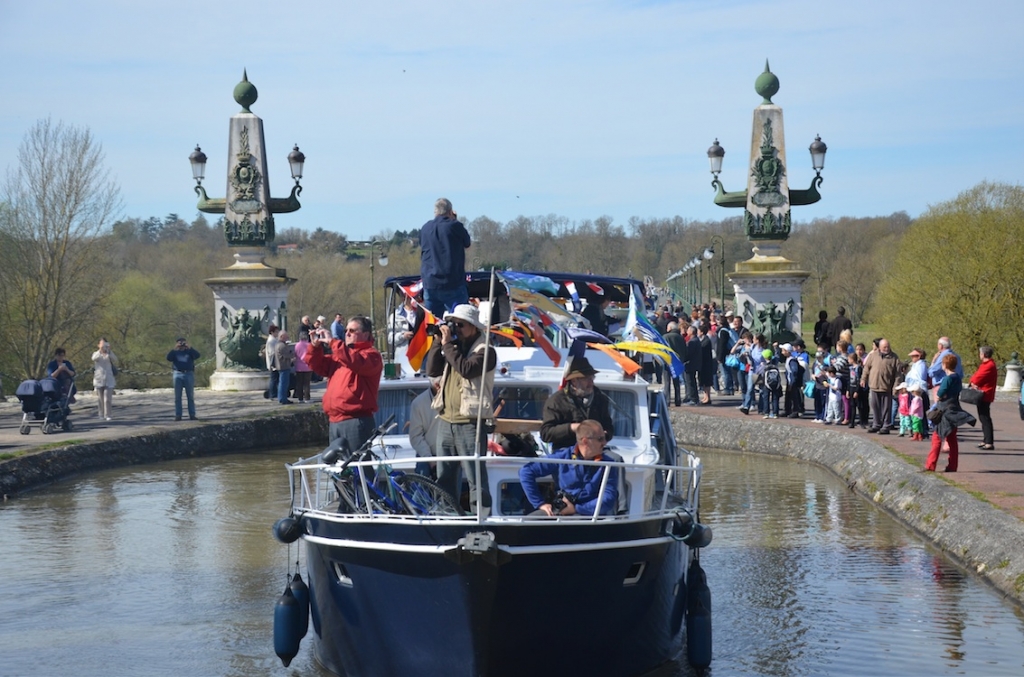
(366, 448)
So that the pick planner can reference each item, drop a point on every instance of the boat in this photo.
(506, 593)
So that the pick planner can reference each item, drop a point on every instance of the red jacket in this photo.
(354, 378)
(986, 379)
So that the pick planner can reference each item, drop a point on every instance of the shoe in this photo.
(827, 422)
(872, 430)
(745, 411)
(771, 416)
(794, 416)
(766, 417)
(193, 418)
(902, 435)
(986, 447)
(844, 423)
(107, 418)
(884, 431)
(946, 469)
(287, 402)
(177, 418)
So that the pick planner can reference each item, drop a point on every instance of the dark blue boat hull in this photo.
(423, 613)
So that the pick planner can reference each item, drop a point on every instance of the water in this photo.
(171, 569)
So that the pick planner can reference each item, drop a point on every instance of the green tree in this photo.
(956, 274)
(53, 266)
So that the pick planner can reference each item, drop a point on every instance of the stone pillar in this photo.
(248, 297)
(1012, 382)
(768, 293)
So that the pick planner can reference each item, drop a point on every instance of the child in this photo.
(917, 423)
(858, 395)
(773, 379)
(903, 402)
(833, 406)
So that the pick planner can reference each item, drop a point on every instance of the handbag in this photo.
(971, 396)
(934, 415)
(809, 389)
(732, 362)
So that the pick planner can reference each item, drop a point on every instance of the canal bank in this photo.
(143, 430)
(973, 531)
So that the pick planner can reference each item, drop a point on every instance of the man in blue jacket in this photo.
(443, 244)
(579, 486)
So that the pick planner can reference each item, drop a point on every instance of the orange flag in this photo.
(628, 365)
(544, 344)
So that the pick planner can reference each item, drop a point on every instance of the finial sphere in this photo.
(245, 93)
(766, 85)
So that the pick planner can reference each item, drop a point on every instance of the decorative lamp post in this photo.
(376, 247)
(767, 286)
(709, 254)
(248, 295)
(697, 278)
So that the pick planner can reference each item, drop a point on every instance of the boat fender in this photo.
(700, 537)
(287, 530)
(698, 617)
(287, 624)
(301, 593)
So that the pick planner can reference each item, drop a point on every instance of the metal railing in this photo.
(665, 488)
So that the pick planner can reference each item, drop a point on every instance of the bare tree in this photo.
(57, 201)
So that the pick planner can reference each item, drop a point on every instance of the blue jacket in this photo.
(443, 244)
(581, 482)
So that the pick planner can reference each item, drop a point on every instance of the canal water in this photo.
(171, 569)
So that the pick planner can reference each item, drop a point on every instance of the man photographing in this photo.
(464, 392)
(353, 369)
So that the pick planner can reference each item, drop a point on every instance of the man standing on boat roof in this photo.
(579, 486)
(353, 368)
(443, 244)
(576, 402)
(465, 388)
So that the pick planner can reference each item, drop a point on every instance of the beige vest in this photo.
(472, 396)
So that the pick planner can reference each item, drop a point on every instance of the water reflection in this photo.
(172, 569)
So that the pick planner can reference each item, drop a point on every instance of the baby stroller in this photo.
(43, 404)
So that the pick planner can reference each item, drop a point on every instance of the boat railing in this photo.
(666, 489)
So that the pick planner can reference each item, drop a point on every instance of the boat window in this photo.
(513, 499)
(624, 409)
(520, 402)
(397, 401)
(661, 438)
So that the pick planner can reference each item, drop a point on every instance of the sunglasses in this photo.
(459, 325)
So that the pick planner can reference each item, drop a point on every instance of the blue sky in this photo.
(531, 107)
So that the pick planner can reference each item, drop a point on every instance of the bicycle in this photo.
(384, 490)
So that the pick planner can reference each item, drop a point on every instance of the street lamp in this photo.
(768, 198)
(698, 282)
(376, 247)
(709, 254)
(248, 208)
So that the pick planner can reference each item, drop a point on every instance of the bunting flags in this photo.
(577, 305)
(525, 281)
(628, 365)
(639, 327)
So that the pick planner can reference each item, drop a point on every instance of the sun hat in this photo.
(467, 313)
(787, 347)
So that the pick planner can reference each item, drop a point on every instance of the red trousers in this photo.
(933, 455)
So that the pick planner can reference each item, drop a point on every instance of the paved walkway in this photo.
(137, 412)
(996, 476)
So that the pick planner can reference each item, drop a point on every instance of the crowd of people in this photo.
(842, 383)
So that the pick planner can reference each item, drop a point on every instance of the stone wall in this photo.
(39, 468)
(974, 533)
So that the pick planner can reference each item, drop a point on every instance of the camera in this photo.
(435, 329)
(558, 504)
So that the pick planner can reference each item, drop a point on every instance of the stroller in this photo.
(43, 404)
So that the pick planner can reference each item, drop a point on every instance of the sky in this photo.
(579, 109)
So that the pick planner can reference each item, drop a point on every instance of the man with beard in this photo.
(578, 401)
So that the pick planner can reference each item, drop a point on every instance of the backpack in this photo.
(772, 378)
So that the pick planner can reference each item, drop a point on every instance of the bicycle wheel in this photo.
(352, 499)
(423, 496)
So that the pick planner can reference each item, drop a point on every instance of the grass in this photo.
(7, 456)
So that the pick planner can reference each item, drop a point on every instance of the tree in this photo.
(956, 275)
(53, 272)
